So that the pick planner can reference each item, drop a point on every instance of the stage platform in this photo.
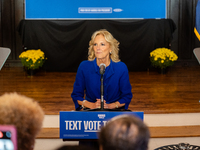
(178, 91)
(170, 102)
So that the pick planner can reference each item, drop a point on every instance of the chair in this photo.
(4, 53)
(197, 53)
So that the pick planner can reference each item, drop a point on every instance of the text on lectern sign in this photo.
(86, 124)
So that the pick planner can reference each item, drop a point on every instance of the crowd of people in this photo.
(123, 132)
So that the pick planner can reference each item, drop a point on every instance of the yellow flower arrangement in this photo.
(32, 59)
(162, 57)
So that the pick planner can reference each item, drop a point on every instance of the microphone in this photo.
(102, 68)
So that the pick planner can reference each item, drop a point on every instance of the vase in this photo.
(31, 72)
(163, 70)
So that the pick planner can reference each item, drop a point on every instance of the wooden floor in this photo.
(176, 92)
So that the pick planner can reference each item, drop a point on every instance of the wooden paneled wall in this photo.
(181, 11)
(12, 11)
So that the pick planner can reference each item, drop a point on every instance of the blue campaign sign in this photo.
(86, 124)
(94, 9)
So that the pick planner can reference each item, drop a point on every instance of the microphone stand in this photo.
(102, 103)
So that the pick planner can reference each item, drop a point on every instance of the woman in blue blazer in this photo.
(103, 48)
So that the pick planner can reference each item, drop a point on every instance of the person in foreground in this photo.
(25, 114)
(103, 48)
(124, 132)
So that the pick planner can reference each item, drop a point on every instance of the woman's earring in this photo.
(110, 52)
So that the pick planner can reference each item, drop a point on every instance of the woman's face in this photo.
(101, 47)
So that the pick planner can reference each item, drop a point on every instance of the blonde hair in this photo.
(25, 114)
(114, 45)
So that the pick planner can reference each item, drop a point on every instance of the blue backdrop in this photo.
(95, 9)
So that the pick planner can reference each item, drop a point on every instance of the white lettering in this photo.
(66, 124)
(70, 125)
(95, 125)
(104, 122)
(79, 124)
(92, 125)
(85, 125)
(73, 125)
(98, 125)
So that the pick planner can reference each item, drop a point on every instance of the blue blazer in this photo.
(87, 85)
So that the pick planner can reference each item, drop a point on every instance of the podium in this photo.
(85, 125)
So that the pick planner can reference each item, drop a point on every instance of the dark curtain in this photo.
(65, 42)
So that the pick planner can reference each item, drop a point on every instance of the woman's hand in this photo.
(90, 105)
(109, 106)
(97, 104)
(106, 106)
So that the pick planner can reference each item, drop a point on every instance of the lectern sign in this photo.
(86, 125)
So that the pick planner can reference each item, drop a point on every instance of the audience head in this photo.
(25, 114)
(124, 132)
(114, 44)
